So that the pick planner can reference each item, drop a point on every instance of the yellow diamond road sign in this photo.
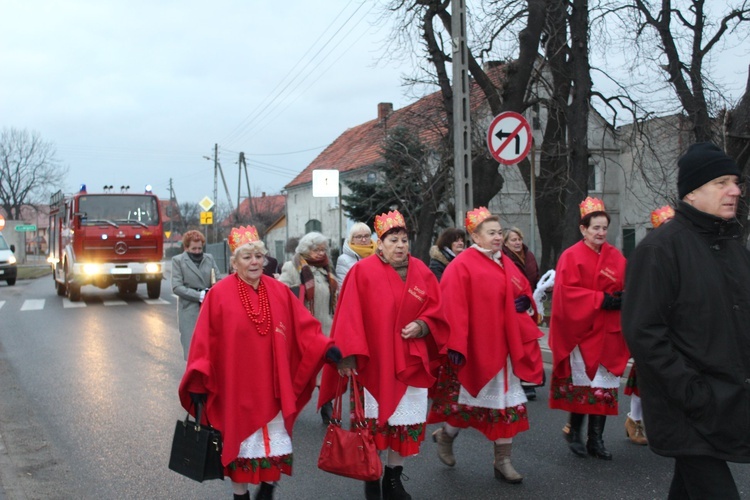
(206, 203)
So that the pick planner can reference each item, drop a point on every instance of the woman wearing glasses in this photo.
(358, 245)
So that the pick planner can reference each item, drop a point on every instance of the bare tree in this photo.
(511, 32)
(29, 170)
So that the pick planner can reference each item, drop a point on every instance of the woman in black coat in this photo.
(450, 243)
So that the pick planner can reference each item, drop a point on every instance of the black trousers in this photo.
(702, 478)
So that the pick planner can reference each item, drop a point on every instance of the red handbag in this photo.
(350, 453)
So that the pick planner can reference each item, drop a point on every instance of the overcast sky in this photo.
(139, 92)
(136, 92)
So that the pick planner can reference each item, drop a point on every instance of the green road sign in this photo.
(27, 228)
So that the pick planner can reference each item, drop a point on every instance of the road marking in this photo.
(2, 303)
(114, 302)
(154, 302)
(33, 305)
(67, 304)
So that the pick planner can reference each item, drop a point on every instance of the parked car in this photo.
(8, 269)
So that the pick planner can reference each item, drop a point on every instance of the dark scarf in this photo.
(197, 258)
(308, 280)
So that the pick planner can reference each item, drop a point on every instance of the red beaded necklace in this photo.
(263, 314)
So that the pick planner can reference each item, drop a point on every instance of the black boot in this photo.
(573, 437)
(372, 490)
(326, 412)
(265, 492)
(393, 489)
(595, 443)
(244, 496)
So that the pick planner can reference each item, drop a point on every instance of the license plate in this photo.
(121, 270)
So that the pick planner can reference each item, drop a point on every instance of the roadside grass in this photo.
(33, 272)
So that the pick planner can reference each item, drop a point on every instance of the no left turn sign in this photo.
(509, 138)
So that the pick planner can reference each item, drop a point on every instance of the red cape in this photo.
(581, 278)
(373, 307)
(250, 377)
(478, 300)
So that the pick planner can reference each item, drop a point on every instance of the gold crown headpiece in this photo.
(385, 222)
(242, 235)
(661, 215)
(476, 217)
(590, 205)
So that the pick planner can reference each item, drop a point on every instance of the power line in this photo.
(254, 119)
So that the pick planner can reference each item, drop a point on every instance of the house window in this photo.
(371, 177)
(592, 178)
(313, 225)
(628, 241)
(279, 250)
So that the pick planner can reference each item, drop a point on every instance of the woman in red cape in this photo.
(589, 353)
(390, 328)
(253, 359)
(493, 344)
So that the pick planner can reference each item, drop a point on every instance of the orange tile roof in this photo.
(361, 146)
(273, 204)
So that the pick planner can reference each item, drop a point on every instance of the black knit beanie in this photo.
(701, 163)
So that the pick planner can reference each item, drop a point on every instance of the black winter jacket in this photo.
(686, 319)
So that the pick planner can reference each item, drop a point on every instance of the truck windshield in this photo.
(3, 244)
(118, 209)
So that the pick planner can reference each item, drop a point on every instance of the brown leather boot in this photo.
(635, 431)
(503, 468)
(444, 446)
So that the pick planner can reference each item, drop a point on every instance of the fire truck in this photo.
(105, 239)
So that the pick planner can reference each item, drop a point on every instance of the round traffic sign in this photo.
(509, 138)
(2, 222)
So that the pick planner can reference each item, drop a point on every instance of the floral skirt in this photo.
(493, 423)
(255, 470)
(563, 395)
(403, 439)
(631, 386)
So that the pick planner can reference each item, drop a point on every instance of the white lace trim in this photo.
(603, 379)
(493, 394)
(412, 409)
(281, 443)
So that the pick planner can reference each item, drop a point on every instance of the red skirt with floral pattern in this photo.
(563, 395)
(493, 423)
(403, 439)
(255, 470)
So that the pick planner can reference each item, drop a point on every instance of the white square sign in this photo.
(325, 183)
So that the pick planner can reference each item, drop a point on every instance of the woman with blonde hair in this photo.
(493, 344)
(358, 245)
(253, 360)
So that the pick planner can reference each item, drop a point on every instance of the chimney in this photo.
(384, 111)
(263, 194)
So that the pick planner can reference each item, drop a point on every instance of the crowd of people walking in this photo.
(456, 342)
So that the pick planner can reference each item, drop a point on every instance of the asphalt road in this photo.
(88, 404)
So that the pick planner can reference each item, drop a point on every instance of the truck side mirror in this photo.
(13, 248)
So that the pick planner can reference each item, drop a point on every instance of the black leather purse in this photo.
(196, 449)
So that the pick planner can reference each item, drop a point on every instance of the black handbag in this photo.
(196, 449)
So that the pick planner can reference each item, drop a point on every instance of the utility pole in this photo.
(464, 197)
(171, 207)
(216, 190)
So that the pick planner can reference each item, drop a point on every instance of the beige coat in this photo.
(290, 277)
(187, 282)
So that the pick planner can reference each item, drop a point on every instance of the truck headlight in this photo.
(152, 268)
(12, 259)
(91, 269)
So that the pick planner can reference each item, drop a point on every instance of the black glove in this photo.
(198, 399)
(522, 303)
(612, 302)
(456, 357)
(333, 355)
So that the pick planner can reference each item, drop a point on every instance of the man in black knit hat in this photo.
(686, 318)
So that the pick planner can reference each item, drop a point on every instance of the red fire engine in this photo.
(105, 239)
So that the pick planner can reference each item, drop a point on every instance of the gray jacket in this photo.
(187, 282)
